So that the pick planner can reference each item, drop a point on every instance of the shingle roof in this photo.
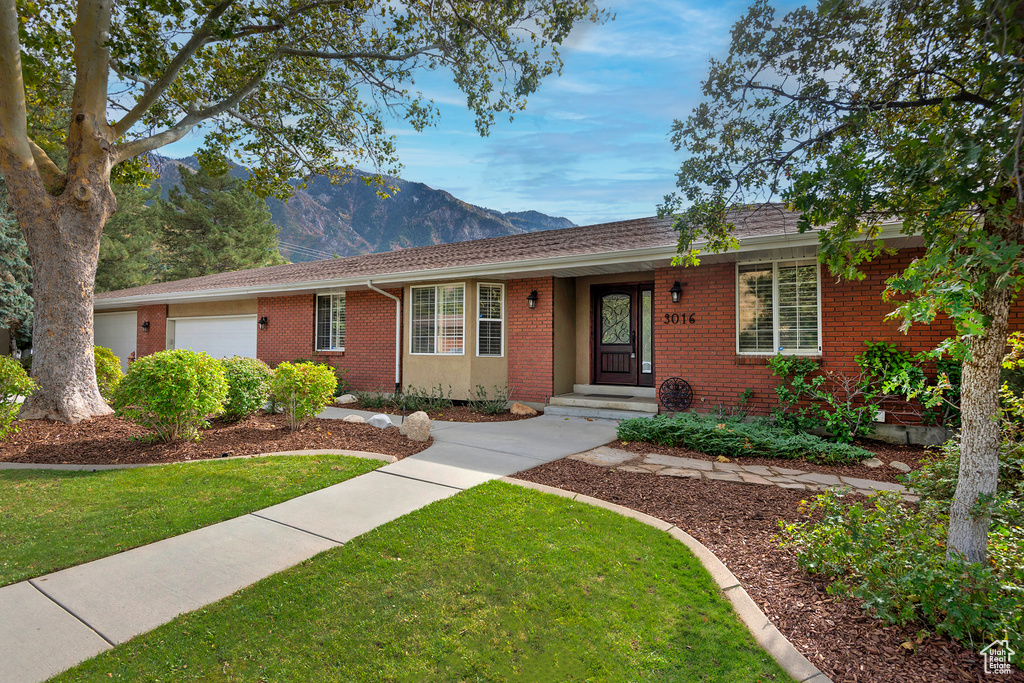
(587, 240)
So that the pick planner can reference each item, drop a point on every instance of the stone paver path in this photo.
(764, 475)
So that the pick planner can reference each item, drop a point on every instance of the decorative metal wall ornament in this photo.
(675, 394)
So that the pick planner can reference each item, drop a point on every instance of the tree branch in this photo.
(16, 159)
(317, 54)
(875, 105)
(201, 36)
(50, 172)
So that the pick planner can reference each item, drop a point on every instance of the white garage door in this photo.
(117, 332)
(218, 335)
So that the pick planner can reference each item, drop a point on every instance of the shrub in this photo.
(14, 383)
(108, 371)
(248, 386)
(302, 390)
(343, 385)
(734, 438)
(893, 557)
(374, 400)
(412, 399)
(172, 393)
(490, 402)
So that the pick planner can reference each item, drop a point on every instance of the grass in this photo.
(496, 584)
(56, 519)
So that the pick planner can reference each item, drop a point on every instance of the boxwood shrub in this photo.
(172, 393)
(108, 371)
(14, 383)
(735, 439)
(302, 390)
(248, 386)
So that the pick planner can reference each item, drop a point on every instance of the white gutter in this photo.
(398, 333)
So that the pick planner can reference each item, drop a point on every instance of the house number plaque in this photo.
(677, 319)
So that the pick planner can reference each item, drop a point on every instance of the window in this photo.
(490, 320)
(330, 322)
(437, 319)
(777, 308)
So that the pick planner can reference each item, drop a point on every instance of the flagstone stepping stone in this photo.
(633, 468)
(674, 461)
(875, 485)
(724, 476)
(605, 457)
(679, 472)
(818, 478)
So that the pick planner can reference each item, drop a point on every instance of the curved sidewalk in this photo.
(52, 622)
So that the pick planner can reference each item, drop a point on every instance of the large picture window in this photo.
(777, 308)
(438, 319)
(330, 322)
(490, 320)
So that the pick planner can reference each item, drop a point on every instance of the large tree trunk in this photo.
(979, 433)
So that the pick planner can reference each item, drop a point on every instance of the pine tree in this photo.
(215, 224)
(128, 248)
(15, 278)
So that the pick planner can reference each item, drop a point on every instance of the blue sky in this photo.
(593, 144)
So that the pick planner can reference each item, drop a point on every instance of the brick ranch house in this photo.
(590, 309)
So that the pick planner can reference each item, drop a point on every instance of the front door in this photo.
(623, 334)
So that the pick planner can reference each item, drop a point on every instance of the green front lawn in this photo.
(51, 519)
(496, 584)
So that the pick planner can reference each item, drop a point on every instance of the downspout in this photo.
(398, 333)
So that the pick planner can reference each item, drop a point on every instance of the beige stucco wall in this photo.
(462, 373)
(564, 330)
(583, 316)
(195, 310)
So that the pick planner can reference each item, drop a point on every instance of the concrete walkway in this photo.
(52, 622)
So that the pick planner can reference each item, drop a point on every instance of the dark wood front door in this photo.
(623, 334)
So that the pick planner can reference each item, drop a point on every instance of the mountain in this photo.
(324, 219)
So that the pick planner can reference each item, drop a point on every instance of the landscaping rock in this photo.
(873, 463)
(520, 409)
(345, 399)
(603, 456)
(901, 466)
(416, 426)
(379, 420)
(358, 419)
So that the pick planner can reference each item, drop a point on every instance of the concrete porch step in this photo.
(606, 401)
(611, 389)
(597, 413)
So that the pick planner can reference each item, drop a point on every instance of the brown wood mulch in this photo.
(111, 440)
(910, 455)
(739, 523)
(453, 414)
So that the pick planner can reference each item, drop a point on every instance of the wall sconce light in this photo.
(262, 323)
(532, 299)
(145, 326)
(676, 291)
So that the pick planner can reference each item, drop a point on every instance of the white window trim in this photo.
(316, 322)
(437, 302)
(479, 320)
(775, 306)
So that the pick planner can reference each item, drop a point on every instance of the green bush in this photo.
(893, 557)
(490, 402)
(412, 399)
(734, 438)
(374, 400)
(302, 390)
(172, 393)
(339, 374)
(108, 371)
(248, 386)
(14, 383)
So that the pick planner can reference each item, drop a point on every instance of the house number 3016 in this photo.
(677, 319)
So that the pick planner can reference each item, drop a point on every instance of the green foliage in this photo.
(215, 224)
(108, 371)
(490, 402)
(413, 398)
(248, 386)
(129, 252)
(302, 390)
(172, 392)
(736, 439)
(374, 400)
(14, 383)
(893, 557)
(339, 374)
(15, 277)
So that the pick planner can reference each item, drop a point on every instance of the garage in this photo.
(117, 332)
(218, 335)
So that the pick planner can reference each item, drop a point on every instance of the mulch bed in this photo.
(910, 455)
(111, 440)
(739, 523)
(454, 414)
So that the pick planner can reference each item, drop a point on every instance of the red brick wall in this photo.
(704, 354)
(531, 339)
(156, 338)
(369, 355)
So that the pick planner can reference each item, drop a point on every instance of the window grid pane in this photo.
(451, 300)
(423, 311)
(489, 327)
(330, 322)
(756, 320)
(798, 308)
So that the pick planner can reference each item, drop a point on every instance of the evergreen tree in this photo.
(128, 248)
(215, 224)
(15, 278)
